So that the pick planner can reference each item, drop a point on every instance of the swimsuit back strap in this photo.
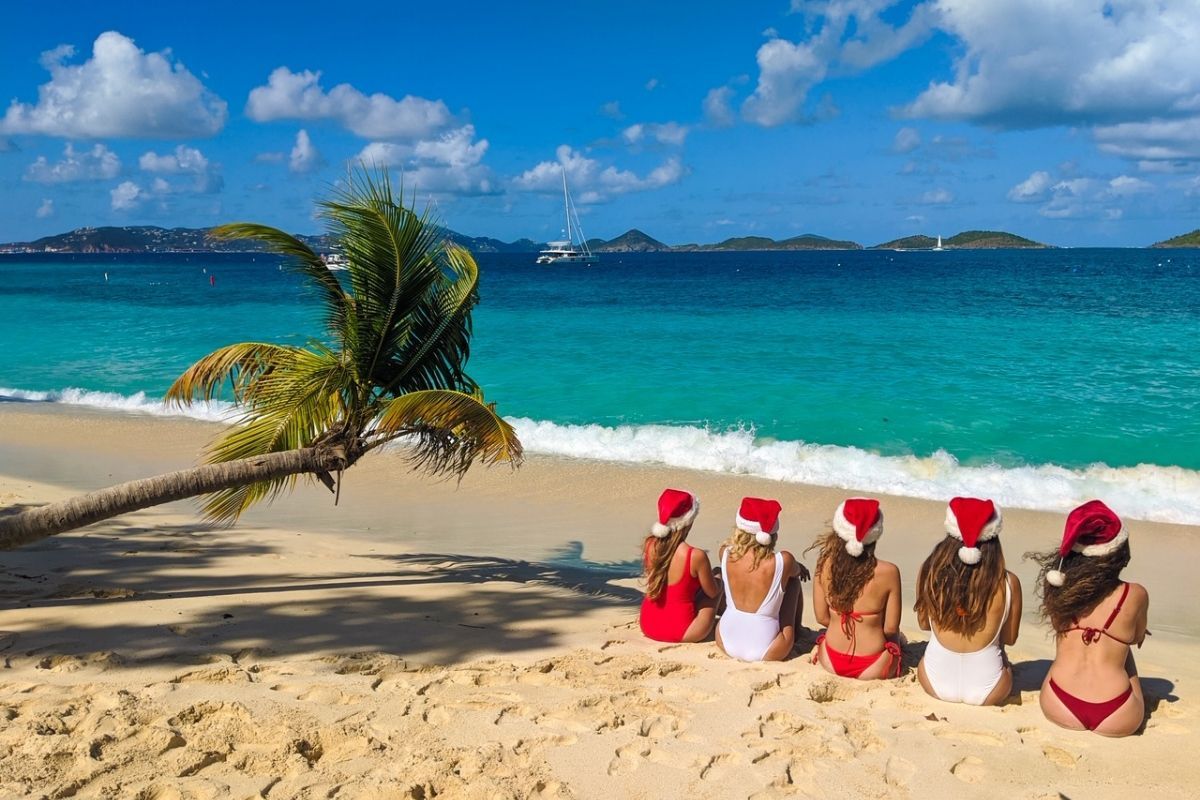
(1007, 608)
(1113, 616)
(687, 565)
(725, 579)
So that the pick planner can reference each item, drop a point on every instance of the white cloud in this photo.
(1032, 63)
(46, 209)
(717, 108)
(592, 182)
(128, 195)
(93, 164)
(304, 156)
(1033, 189)
(1127, 186)
(671, 133)
(651, 84)
(937, 197)
(1083, 197)
(447, 164)
(850, 36)
(298, 95)
(612, 110)
(184, 160)
(121, 91)
(907, 140)
(1152, 140)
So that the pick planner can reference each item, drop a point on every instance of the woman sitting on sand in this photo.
(681, 592)
(971, 604)
(763, 603)
(1093, 682)
(863, 591)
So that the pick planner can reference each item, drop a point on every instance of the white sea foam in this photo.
(214, 411)
(1164, 494)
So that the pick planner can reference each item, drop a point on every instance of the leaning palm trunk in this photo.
(38, 523)
(389, 370)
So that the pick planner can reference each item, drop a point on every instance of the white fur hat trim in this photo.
(849, 534)
(751, 526)
(676, 523)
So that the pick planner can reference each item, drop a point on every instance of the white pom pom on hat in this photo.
(971, 521)
(677, 509)
(1093, 529)
(759, 517)
(858, 522)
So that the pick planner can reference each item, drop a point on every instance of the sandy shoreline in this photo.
(403, 645)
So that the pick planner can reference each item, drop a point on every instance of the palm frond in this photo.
(446, 431)
(239, 365)
(301, 259)
(441, 334)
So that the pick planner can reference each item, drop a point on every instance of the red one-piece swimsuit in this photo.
(666, 618)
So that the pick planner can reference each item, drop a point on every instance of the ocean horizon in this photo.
(1040, 378)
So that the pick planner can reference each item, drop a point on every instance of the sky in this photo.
(1073, 122)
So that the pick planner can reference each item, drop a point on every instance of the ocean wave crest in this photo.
(1147, 491)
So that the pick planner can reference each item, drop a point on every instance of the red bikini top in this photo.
(1091, 635)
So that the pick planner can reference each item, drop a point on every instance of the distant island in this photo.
(152, 239)
(1186, 240)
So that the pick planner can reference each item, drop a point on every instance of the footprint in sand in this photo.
(1059, 757)
(718, 765)
(969, 770)
(970, 737)
(899, 771)
(658, 727)
(628, 758)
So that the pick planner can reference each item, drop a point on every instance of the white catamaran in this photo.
(568, 251)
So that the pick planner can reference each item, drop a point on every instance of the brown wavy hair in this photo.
(656, 560)
(955, 595)
(848, 575)
(740, 543)
(1090, 579)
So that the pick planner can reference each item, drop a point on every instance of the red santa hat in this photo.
(759, 517)
(971, 521)
(1093, 529)
(677, 510)
(858, 522)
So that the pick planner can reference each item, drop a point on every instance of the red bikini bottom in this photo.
(849, 665)
(1090, 714)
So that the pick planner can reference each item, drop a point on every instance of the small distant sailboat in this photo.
(568, 251)
(939, 247)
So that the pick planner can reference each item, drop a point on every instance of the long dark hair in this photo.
(955, 595)
(1089, 579)
(848, 575)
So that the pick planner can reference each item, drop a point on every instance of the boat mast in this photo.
(566, 205)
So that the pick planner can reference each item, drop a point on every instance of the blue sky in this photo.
(1070, 121)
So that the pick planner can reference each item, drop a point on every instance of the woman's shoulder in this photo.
(1137, 594)
(886, 569)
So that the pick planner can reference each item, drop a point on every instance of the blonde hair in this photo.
(740, 543)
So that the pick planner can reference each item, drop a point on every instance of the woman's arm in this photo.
(820, 604)
(702, 569)
(1012, 626)
(1143, 616)
(891, 618)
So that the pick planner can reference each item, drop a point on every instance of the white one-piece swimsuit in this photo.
(745, 635)
(966, 677)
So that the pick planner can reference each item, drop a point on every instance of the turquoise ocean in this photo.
(1038, 378)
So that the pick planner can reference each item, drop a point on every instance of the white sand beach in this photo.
(405, 644)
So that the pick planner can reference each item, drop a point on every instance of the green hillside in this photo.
(632, 241)
(984, 240)
(918, 242)
(1186, 240)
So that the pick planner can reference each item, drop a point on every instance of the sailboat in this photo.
(568, 251)
(939, 244)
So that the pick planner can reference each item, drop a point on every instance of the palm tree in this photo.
(389, 371)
